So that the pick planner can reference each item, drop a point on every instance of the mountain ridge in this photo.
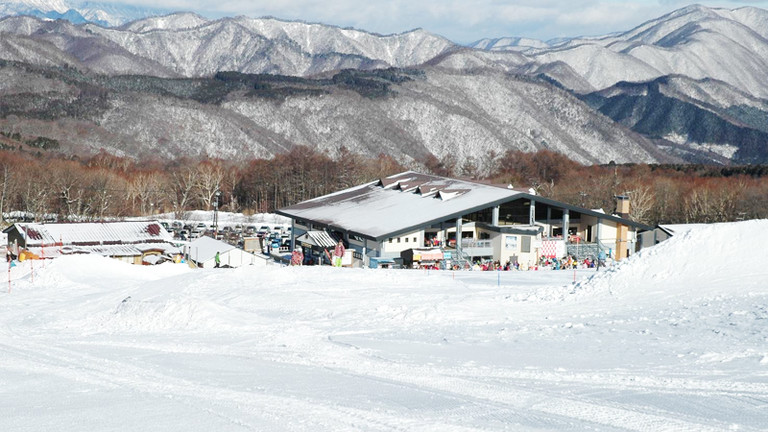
(713, 61)
(107, 14)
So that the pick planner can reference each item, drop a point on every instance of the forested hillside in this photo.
(103, 186)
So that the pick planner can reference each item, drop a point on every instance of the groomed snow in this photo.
(675, 338)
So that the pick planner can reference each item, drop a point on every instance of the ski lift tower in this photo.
(216, 213)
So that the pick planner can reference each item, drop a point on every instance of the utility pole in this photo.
(216, 213)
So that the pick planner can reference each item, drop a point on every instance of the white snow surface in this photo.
(674, 338)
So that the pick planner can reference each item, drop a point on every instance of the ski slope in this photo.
(674, 338)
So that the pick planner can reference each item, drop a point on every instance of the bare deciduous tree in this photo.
(209, 177)
(145, 187)
(640, 204)
(181, 188)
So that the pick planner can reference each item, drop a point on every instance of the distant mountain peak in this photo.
(78, 12)
(174, 21)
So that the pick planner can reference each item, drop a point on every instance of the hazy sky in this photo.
(460, 21)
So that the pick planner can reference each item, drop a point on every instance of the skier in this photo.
(338, 253)
(600, 259)
(217, 260)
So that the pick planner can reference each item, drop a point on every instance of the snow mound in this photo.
(84, 269)
(182, 313)
(709, 260)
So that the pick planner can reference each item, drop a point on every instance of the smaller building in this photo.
(135, 242)
(318, 246)
(203, 251)
(658, 234)
(425, 257)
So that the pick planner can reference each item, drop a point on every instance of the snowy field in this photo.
(675, 338)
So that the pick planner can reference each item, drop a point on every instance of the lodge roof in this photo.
(408, 201)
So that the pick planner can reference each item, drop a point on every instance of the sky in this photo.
(458, 20)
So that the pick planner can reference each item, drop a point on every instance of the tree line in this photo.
(107, 186)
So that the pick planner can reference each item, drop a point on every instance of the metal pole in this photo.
(216, 214)
(293, 234)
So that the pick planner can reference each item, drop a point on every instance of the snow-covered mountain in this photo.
(188, 45)
(78, 12)
(407, 115)
(509, 44)
(696, 41)
(691, 82)
(692, 115)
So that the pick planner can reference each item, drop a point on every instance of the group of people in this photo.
(570, 262)
(495, 265)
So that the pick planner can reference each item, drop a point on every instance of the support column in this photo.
(444, 229)
(293, 234)
(532, 214)
(458, 236)
(566, 222)
(549, 221)
(495, 216)
(365, 252)
(597, 233)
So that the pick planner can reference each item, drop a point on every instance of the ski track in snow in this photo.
(663, 341)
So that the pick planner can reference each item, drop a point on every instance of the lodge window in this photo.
(406, 239)
(398, 239)
(390, 239)
(526, 244)
(414, 239)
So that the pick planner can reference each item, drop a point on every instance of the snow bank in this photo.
(704, 261)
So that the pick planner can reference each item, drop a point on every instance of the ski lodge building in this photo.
(412, 215)
(135, 242)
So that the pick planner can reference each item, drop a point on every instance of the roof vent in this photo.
(426, 191)
(387, 182)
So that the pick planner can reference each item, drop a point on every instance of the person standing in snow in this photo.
(338, 253)
(600, 259)
(217, 260)
(297, 257)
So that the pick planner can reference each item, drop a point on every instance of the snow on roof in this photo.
(93, 233)
(402, 201)
(110, 250)
(204, 248)
(673, 229)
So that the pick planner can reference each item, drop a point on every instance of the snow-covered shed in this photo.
(658, 234)
(385, 217)
(203, 250)
(135, 242)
